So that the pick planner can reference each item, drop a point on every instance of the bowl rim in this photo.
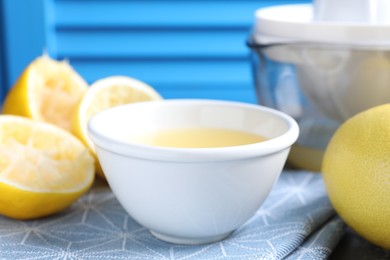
(157, 153)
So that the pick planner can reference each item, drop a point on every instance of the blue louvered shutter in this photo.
(183, 48)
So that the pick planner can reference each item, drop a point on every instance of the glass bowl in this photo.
(320, 85)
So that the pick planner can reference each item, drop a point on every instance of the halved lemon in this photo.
(47, 90)
(43, 168)
(106, 93)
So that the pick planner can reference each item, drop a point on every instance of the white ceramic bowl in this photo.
(191, 195)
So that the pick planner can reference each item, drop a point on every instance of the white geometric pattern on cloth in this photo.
(295, 222)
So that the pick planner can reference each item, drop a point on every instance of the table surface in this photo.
(353, 246)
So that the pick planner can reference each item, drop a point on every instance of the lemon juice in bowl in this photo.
(196, 138)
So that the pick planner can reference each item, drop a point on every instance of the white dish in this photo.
(191, 195)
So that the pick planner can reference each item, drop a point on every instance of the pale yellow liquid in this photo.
(197, 138)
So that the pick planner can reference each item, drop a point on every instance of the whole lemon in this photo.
(356, 171)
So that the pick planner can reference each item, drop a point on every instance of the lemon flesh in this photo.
(356, 171)
(104, 94)
(43, 168)
(48, 91)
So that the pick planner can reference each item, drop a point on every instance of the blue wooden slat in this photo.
(169, 72)
(176, 13)
(243, 94)
(176, 78)
(152, 43)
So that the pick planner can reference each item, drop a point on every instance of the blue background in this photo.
(183, 48)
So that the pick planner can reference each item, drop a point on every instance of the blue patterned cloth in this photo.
(296, 222)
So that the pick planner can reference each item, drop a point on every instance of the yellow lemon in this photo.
(43, 168)
(106, 93)
(47, 90)
(356, 171)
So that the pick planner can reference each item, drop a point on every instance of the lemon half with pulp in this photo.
(106, 93)
(47, 90)
(43, 168)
